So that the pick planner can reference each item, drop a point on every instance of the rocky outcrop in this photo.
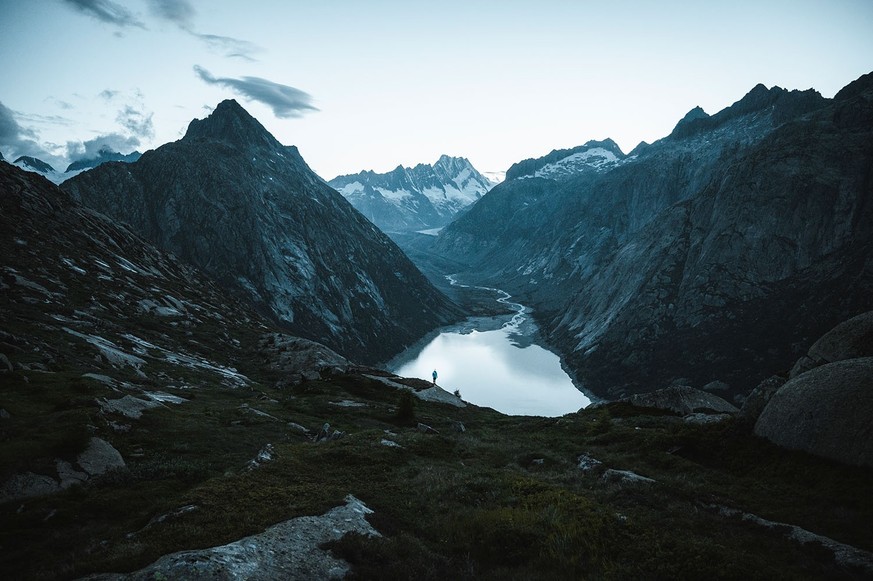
(682, 400)
(98, 458)
(848, 340)
(714, 253)
(289, 550)
(300, 359)
(247, 210)
(826, 412)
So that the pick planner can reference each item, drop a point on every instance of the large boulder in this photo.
(682, 400)
(825, 411)
(848, 340)
(758, 400)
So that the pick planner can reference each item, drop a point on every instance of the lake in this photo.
(495, 362)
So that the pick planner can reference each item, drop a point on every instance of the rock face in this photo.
(825, 411)
(714, 253)
(231, 200)
(419, 198)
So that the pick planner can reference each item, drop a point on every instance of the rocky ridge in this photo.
(712, 254)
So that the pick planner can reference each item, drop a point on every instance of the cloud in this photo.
(106, 11)
(89, 149)
(285, 101)
(108, 94)
(16, 139)
(137, 122)
(231, 47)
(180, 12)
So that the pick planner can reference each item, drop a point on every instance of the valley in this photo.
(206, 360)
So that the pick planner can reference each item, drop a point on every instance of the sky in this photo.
(370, 85)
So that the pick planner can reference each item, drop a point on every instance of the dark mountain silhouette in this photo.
(233, 201)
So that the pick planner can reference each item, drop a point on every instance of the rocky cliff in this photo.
(714, 253)
(233, 201)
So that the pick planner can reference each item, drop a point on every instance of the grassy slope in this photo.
(477, 503)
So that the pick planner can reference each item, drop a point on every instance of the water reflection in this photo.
(494, 362)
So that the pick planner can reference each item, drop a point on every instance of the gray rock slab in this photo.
(289, 551)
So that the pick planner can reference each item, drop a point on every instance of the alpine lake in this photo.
(494, 361)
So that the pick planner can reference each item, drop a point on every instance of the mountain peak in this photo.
(34, 164)
(231, 123)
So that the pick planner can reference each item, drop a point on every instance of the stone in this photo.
(100, 457)
(716, 386)
(682, 400)
(586, 463)
(701, 418)
(848, 340)
(5, 364)
(28, 485)
(128, 406)
(265, 455)
(68, 475)
(625, 477)
(756, 401)
(425, 429)
(826, 412)
(289, 550)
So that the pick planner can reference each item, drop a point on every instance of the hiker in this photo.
(434, 376)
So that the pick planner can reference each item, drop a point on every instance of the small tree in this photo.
(405, 408)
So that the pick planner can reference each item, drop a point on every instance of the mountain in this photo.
(411, 199)
(563, 164)
(82, 291)
(231, 200)
(715, 253)
(33, 164)
(156, 427)
(102, 156)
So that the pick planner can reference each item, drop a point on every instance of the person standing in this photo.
(434, 376)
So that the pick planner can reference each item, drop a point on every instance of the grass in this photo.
(503, 499)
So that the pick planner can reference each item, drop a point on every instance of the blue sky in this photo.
(373, 84)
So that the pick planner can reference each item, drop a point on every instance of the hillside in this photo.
(145, 413)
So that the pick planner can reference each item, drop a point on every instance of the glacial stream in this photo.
(494, 362)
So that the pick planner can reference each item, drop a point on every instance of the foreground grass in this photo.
(504, 498)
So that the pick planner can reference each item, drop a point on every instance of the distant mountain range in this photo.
(412, 199)
(714, 253)
(102, 156)
(36, 165)
(231, 200)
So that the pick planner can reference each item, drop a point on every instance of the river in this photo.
(495, 362)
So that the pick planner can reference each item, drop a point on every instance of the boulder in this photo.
(28, 485)
(848, 340)
(757, 400)
(825, 411)
(625, 477)
(682, 400)
(100, 457)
